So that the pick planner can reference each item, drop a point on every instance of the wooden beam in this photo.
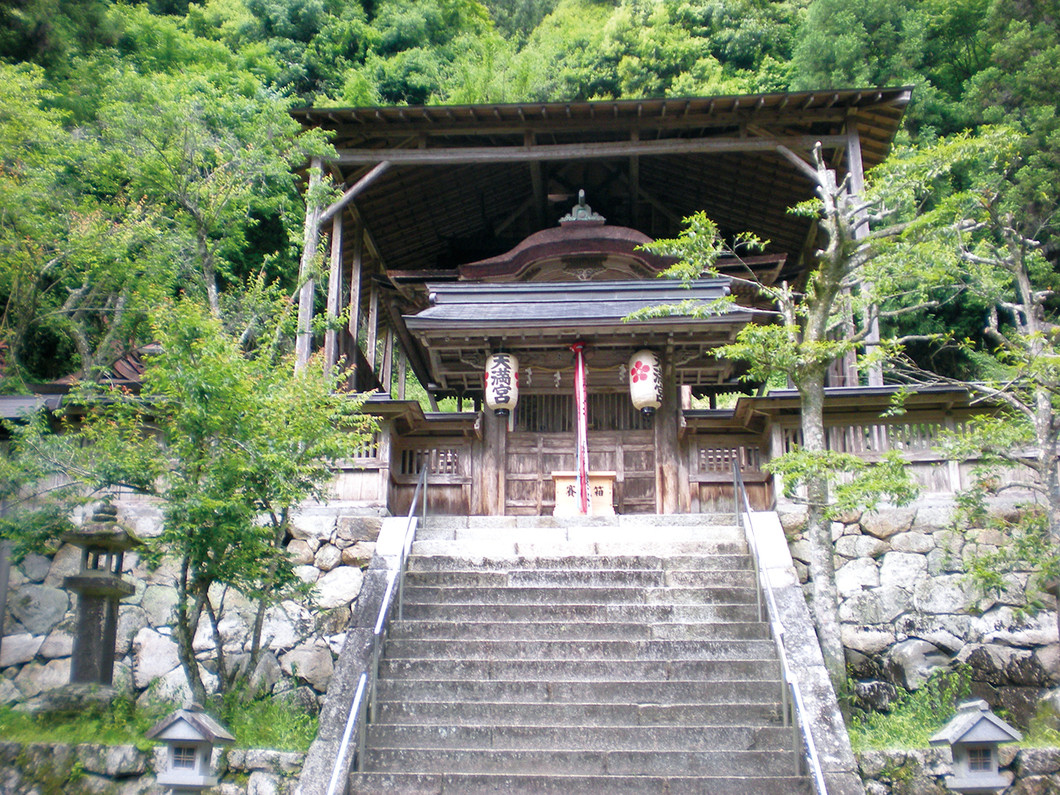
(408, 345)
(449, 156)
(799, 163)
(310, 241)
(597, 123)
(675, 218)
(356, 189)
(519, 211)
(667, 449)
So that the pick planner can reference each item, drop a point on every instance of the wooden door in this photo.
(532, 457)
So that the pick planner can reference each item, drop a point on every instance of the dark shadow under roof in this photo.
(469, 182)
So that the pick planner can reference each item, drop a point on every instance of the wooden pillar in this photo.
(953, 467)
(385, 448)
(634, 184)
(666, 448)
(355, 289)
(776, 449)
(310, 241)
(373, 328)
(387, 370)
(403, 370)
(494, 457)
(331, 341)
(857, 188)
(537, 184)
(684, 485)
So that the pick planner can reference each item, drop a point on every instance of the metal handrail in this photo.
(362, 709)
(790, 694)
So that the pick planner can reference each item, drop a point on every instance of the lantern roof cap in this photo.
(103, 531)
(975, 723)
(194, 718)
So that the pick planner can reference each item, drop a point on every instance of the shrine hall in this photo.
(493, 257)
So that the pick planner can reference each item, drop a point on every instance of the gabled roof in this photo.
(177, 723)
(975, 723)
(529, 305)
(539, 321)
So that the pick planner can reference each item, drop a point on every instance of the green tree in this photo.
(985, 234)
(855, 271)
(239, 441)
(563, 55)
(212, 157)
(82, 260)
(850, 43)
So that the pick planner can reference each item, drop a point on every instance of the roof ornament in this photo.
(582, 213)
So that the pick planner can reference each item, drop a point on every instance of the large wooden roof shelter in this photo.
(453, 184)
(462, 231)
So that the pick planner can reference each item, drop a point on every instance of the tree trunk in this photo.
(819, 534)
(187, 624)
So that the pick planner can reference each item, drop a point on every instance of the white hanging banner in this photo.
(581, 402)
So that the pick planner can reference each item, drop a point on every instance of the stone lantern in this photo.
(99, 587)
(974, 734)
(189, 736)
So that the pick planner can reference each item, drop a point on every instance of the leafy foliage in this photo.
(914, 716)
(260, 723)
(237, 442)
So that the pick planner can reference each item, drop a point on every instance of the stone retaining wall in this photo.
(330, 544)
(37, 768)
(906, 608)
(1030, 771)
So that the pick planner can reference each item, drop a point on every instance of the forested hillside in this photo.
(146, 146)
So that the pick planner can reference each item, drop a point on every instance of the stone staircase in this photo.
(537, 656)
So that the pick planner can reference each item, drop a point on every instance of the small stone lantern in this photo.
(99, 587)
(973, 735)
(189, 735)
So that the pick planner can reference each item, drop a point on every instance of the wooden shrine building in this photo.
(468, 231)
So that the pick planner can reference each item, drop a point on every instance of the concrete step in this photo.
(571, 630)
(723, 594)
(498, 547)
(542, 655)
(629, 533)
(588, 738)
(564, 761)
(587, 714)
(618, 520)
(566, 613)
(563, 578)
(433, 669)
(621, 692)
(535, 784)
(732, 559)
(583, 649)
